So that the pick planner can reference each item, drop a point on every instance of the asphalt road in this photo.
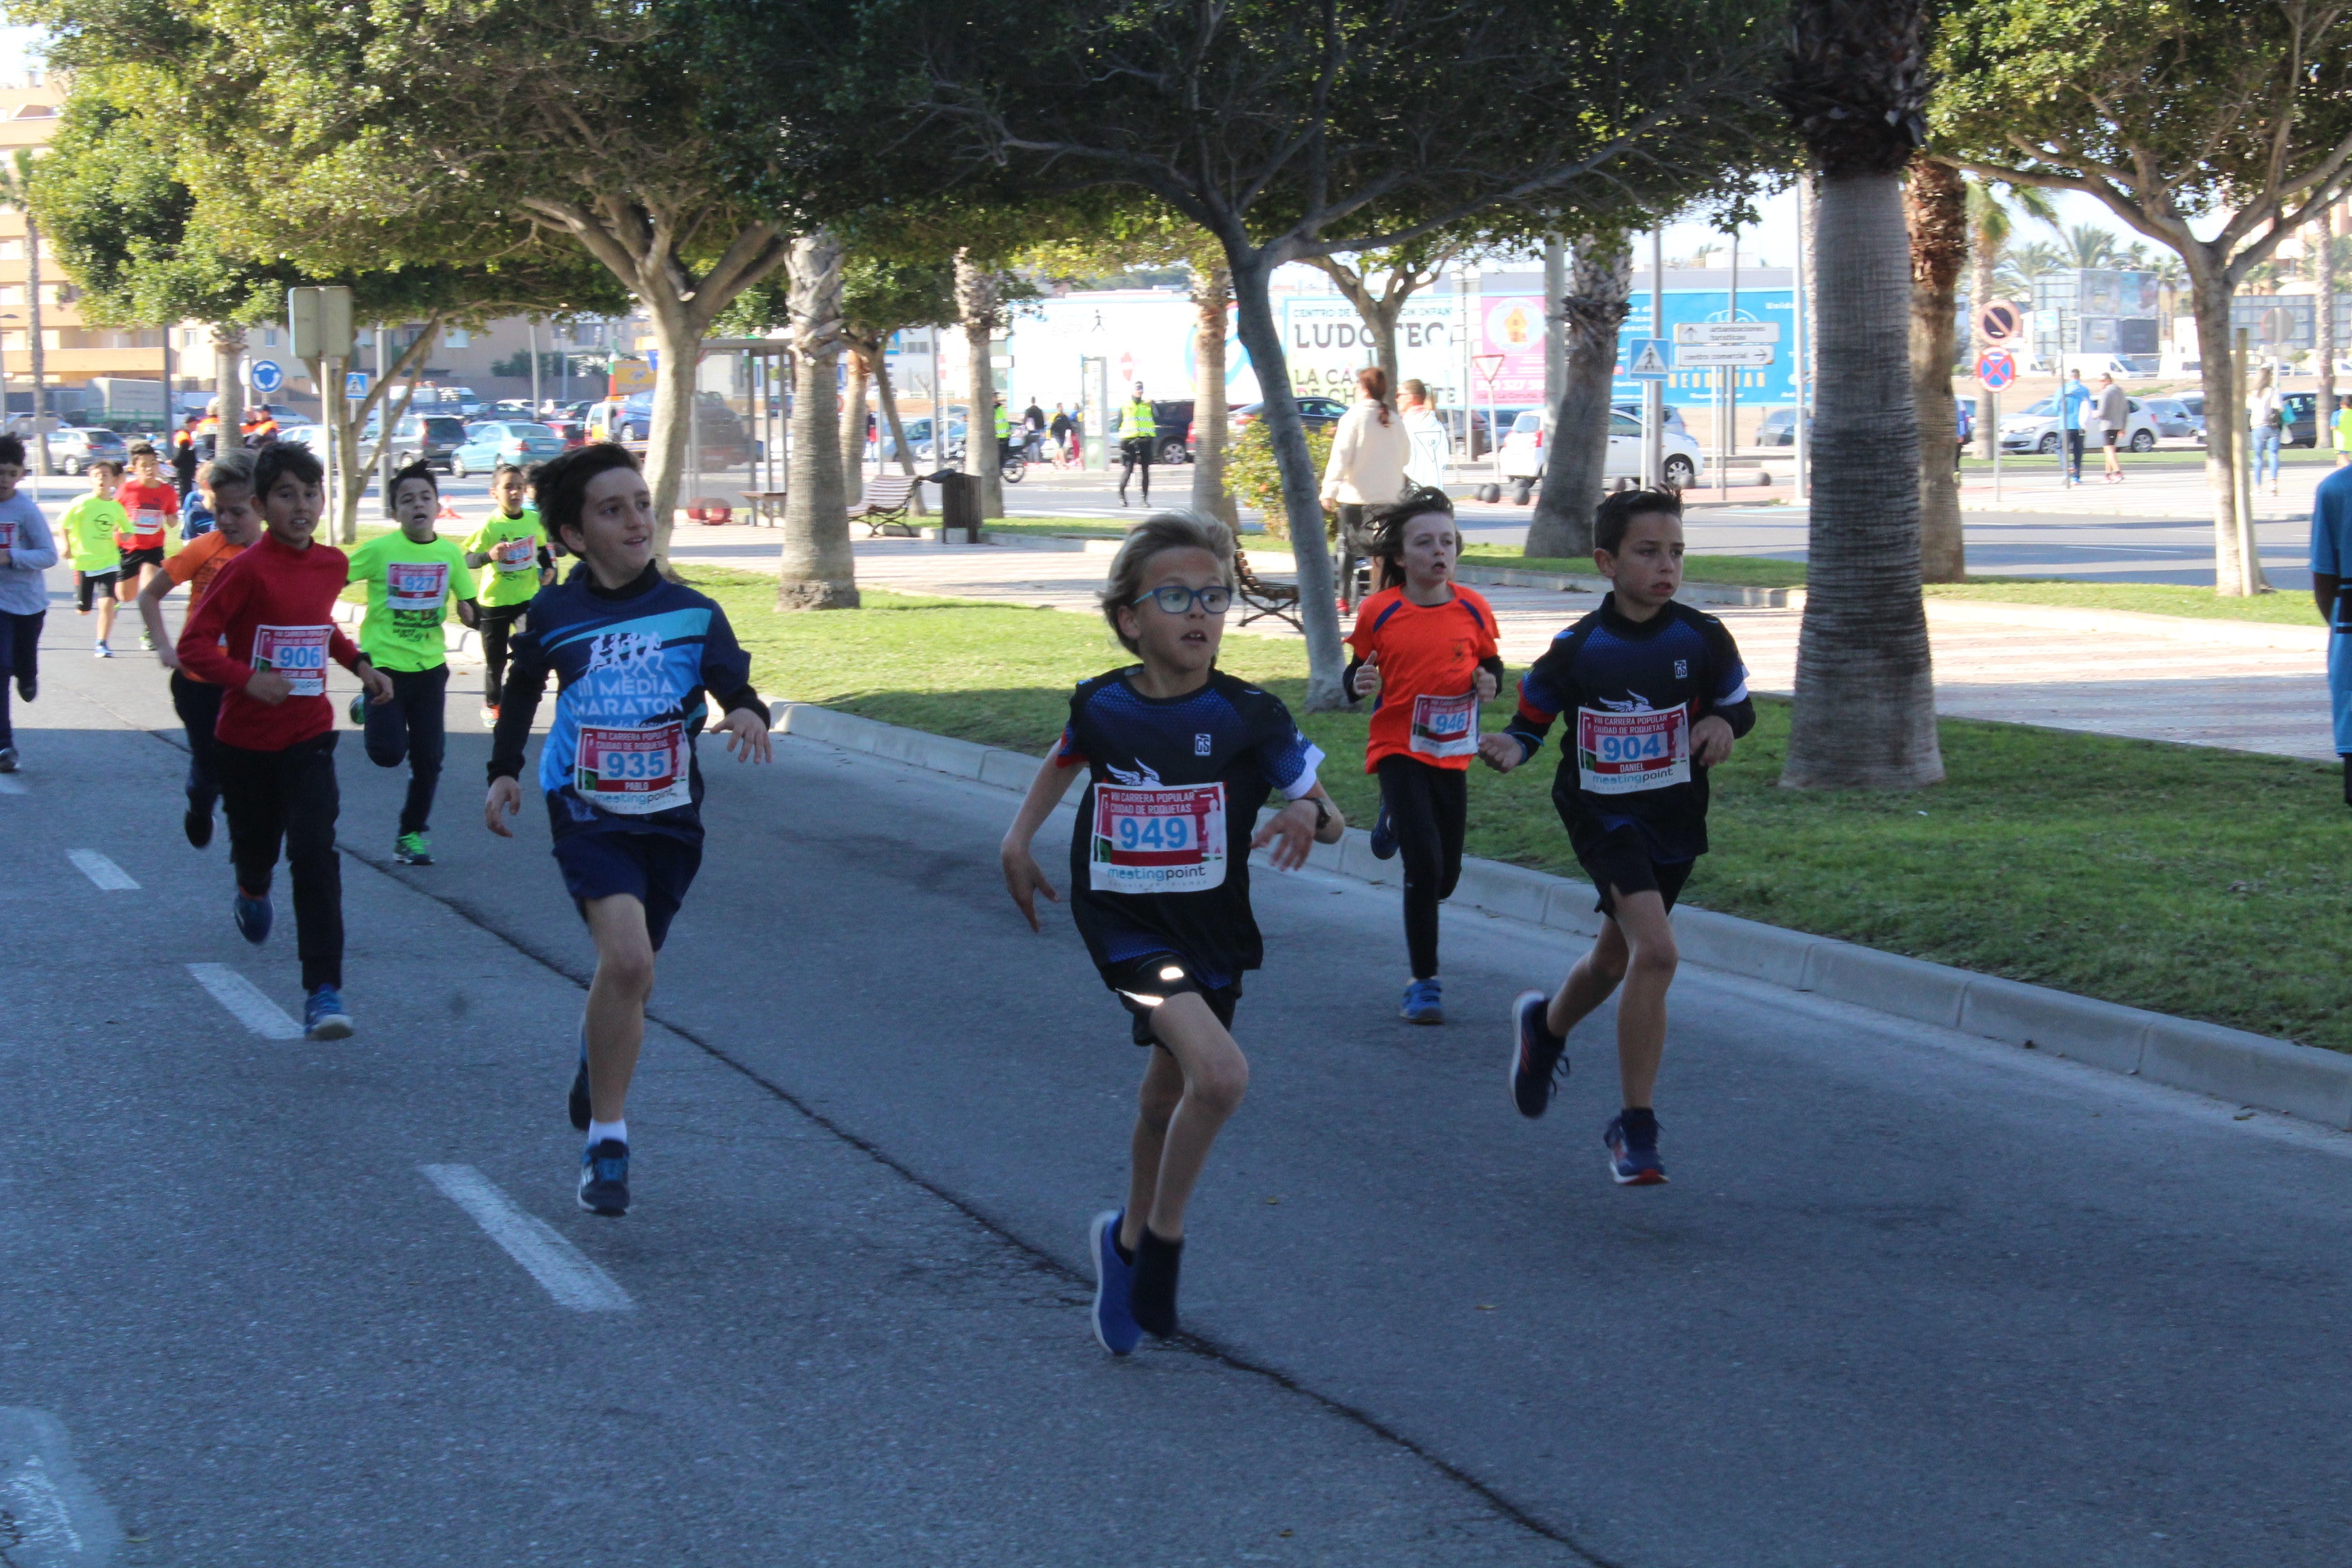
(1909, 1298)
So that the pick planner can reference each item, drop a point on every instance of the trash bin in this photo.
(959, 506)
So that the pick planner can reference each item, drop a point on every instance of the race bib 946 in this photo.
(1163, 840)
(1446, 726)
(1621, 753)
(297, 653)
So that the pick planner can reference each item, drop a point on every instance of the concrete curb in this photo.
(2228, 1064)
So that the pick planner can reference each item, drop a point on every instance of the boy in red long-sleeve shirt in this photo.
(152, 506)
(263, 634)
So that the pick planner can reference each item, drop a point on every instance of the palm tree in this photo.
(2089, 246)
(1866, 709)
(2022, 267)
(16, 195)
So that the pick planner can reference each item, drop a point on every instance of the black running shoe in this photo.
(1537, 1056)
(198, 824)
(1633, 1140)
(604, 1178)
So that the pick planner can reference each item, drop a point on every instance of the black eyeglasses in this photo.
(1177, 599)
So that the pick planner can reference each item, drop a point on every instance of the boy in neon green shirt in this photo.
(510, 552)
(87, 529)
(410, 576)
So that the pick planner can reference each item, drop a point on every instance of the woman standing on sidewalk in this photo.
(2264, 420)
(1369, 454)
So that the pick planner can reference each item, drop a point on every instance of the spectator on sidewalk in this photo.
(2074, 403)
(1032, 432)
(1432, 443)
(1368, 453)
(2265, 422)
(2114, 419)
(1065, 452)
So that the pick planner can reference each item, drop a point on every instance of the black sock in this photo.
(1636, 1119)
(1151, 1293)
(1120, 1247)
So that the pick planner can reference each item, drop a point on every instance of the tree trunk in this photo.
(852, 427)
(1936, 207)
(1211, 291)
(228, 382)
(678, 335)
(1576, 467)
(1378, 314)
(977, 303)
(2323, 323)
(1865, 707)
(388, 411)
(1319, 612)
(2225, 415)
(818, 571)
(38, 344)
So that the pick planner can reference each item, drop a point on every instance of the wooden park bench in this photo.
(887, 497)
(1261, 598)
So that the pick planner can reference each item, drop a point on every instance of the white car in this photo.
(2036, 429)
(1524, 443)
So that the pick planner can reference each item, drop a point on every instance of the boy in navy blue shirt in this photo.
(1654, 694)
(632, 654)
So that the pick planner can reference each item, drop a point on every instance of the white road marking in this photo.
(109, 875)
(50, 1516)
(245, 999)
(571, 1278)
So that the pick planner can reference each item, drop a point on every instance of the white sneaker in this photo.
(489, 717)
(101, 651)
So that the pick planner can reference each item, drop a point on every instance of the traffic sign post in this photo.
(1489, 366)
(1648, 359)
(266, 375)
(1996, 368)
(2000, 322)
(355, 385)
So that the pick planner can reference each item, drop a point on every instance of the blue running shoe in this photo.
(1384, 839)
(604, 1178)
(253, 917)
(1537, 1056)
(578, 1105)
(1633, 1140)
(1115, 1326)
(1422, 1004)
(323, 1018)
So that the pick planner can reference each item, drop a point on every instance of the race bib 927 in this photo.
(1161, 839)
(1621, 753)
(297, 653)
(417, 585)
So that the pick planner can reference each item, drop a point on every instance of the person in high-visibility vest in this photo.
(1139, 431)
(1004, 431)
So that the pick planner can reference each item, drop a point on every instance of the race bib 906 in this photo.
(1164, 840)
(1621, 753)
(1446, 726)
(634, 771)
(297, 653)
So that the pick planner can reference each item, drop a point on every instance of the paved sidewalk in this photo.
(2245, 687)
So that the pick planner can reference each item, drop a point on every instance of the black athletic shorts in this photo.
(1621, 859)
(1150, 976)
(2110, 439)
(93, 585)
(654, 868)
(134, 559)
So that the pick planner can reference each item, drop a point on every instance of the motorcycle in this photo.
(1012, 464)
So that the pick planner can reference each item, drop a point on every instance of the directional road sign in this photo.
(266, 375)
(355, 385)
(1996, 368)
(1646, 359)
(1687, 357)
(2000, 322)
(1723, 334)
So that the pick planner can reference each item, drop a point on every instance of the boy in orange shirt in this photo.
(226, 486)
(1426, 655)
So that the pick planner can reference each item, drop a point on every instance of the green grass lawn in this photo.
(1734, 571)
(2206, 883)
(2293, 609)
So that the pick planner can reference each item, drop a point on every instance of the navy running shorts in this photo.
(133, 559)
(1143, 983)
(90, 586)
(1620, 859)
(654, 868)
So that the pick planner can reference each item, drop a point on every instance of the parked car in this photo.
(919, 438)
(431, 438)
(571, 432)
(74, 448)
(2036, 429)
(493, 442)
(2182, 416)
(725, 444)
(513, 408)
(1311, 410)
(1523, 449)
(1674, 416)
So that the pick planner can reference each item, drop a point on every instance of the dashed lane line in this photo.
(570, 1277)
(109, 876)
(245, 1001)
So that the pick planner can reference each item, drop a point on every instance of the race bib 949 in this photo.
(1621, 753)
(297, 653)
(1163, 840)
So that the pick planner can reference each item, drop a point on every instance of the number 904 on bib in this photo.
(1622, 753)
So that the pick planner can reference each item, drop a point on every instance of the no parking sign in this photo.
(1996, 368)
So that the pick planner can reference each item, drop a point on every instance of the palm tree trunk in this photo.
(978, 301)
(39, 346)
(853, 424)
(818, 571)
(1212, 288)
(1576, 468)
(1936, 205)
(1866, 709)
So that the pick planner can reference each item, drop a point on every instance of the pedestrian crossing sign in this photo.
(1646, 359)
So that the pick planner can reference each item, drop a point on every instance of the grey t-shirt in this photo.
(2114, 409)
(32, 549)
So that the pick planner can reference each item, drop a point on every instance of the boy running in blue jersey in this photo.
(632, 654)
(1656, 695)
(1178, 757)
(2331, 587)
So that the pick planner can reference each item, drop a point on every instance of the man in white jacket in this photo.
(1432, 443)
(1369, 451)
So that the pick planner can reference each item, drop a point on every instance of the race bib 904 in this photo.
(297, 653)
(634, 771)
(1166, 839)
(1621, 753)
(1446, 726)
